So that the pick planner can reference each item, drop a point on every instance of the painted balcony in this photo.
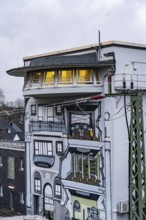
(47, 126)
(80, 144)
(97, 190)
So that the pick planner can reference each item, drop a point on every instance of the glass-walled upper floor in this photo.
(62, 77)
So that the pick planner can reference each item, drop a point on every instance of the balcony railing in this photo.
(51, 126)
(78, 177)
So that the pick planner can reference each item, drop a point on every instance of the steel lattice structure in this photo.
(137, 181)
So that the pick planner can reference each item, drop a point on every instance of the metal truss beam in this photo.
(137, 176)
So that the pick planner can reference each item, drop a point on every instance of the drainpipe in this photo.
(89, 173)
(82, 166)
(74, 165)
(109, 82)
(111, 72)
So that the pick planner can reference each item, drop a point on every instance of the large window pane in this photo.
(49, 77)
(28, 80)
(84, 76)
(65, 76)
(97, 77)
(36, 77)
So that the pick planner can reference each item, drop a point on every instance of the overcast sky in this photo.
(30, 27)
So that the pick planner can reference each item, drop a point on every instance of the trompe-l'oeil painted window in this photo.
(37, 182)
(86, 165)
(43, 148)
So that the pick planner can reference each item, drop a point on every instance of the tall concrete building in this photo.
(77, 118)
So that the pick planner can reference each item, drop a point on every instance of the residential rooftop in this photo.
(13, 145)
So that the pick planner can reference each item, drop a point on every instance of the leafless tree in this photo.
(2, 98)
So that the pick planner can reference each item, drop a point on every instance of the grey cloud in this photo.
(30, 27)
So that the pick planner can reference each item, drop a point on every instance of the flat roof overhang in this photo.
(89, 48)
(21, 71)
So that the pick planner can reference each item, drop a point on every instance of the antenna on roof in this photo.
(99, 44)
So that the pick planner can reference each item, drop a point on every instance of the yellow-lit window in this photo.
(49, 77)
(84, 76)
(36, 77)
(65, 76)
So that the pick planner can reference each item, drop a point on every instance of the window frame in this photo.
(87, 165)
(78, 72)
(37, 183)
(48, 199)
(28, 80)
(11, 163)
(57, 188)
(42, 148)
(33, 110)
(33, 80)
(97, 77)
(61, 79)
(58, 110)
(59, 145)
(48, 83)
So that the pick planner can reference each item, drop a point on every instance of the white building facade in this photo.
(76, 134)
